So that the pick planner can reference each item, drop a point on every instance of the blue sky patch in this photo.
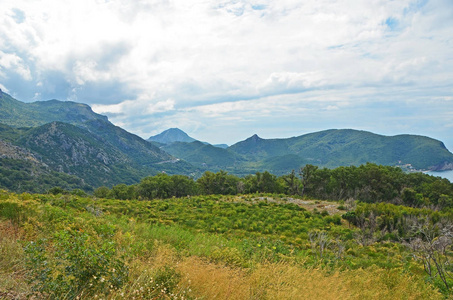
(392, 23)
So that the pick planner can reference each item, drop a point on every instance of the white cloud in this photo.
(239, 43)
(109, 109)
(137, 108)
(10, 61)
(332, 107)
(161, 106)
(3, 88)
(292, 82)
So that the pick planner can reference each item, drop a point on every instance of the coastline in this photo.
(448, 174)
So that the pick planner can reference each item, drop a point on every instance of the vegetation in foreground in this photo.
(257, 246)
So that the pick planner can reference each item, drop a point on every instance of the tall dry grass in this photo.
(285, 281)
(12, 263)
(202, 279)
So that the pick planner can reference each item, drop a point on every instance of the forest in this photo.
(370, 232)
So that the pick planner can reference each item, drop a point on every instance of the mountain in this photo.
(96, 160)
(223, 146)
(21, 170)
(329, 148)
(73, 150)
(170, 136)
(256, 148)
(174, 135)
(86, 145)
(19, 114)
(66, 144)
(344, 147)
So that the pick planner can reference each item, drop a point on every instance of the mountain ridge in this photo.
(16, 113)
(328, 148)
(68, 141)
(70, 138)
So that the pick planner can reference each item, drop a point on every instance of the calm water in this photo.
(444, 174)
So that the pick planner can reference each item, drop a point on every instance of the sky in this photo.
(225, 70)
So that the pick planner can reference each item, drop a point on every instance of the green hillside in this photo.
(69, 138)
(19, 114)
(333, 148)
(72, 150)
(204, 155)
(256, 148)
(23, 171)
(329, 148)
(116, 158)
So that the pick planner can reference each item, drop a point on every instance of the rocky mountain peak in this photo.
(255, 138)
(172, 135)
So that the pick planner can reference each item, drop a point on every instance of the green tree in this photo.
(307, 174)
(102, 192)
(291, 184)
(123, 192)
(152, 187)
(218, 183)
(182, 186)
(267, 183)
(411, 197)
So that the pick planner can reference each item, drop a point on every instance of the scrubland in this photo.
(258, 246)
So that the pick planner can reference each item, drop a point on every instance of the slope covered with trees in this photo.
(204, 156)
(330, 148)
(19, 114)
(95, 159)
(334, 148)
(68, 138)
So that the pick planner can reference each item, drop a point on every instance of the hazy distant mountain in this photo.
(172, 135)
(223, 146)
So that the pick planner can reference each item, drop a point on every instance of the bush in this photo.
(102, 192)
(57, 190)
(79, 264)
(167, 278)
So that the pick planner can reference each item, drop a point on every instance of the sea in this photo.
(444, 174)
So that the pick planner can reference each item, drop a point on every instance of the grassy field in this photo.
(202, 247)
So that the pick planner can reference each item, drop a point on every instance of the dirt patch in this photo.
(310, 205)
